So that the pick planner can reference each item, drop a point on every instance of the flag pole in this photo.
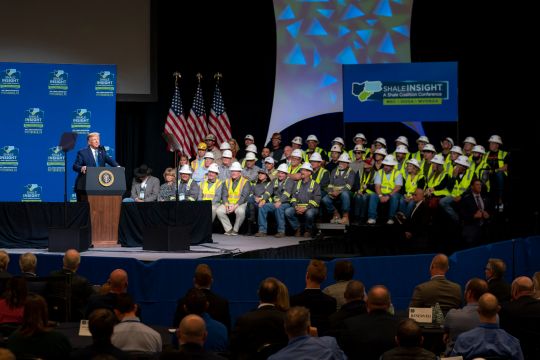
(177, 76)
(218, 76)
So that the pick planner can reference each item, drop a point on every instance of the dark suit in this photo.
(438, 289)
(473, 229)
(190, 352)
(320, 306)
(264, 325)
(85, 157)
(418, 225)
(101, 301)
(500, 288)
(218, 309)
(369, 335)
(521, 318)
(34, 284)
(57, 288)
(348, 310)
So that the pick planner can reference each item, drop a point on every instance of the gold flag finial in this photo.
(218, 76)
(199, 76)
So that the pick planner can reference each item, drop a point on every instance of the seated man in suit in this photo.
(144, 187)
(438, 289)
(409, 341)
(116, 284)
(301, 344)
(475, 212)
(495, 269)
(264, 325)
(94, 155)
(28, 264)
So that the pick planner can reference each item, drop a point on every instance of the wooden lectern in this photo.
(104, 187)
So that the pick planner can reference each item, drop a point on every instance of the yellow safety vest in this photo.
(317, 149)
(463, 185)
(500, 156)
(436, 181)
(311, 186)
(196, 163)
(411, 183)
(234, 195)
(295, 170)
(388, 185)
(209, 189)
(320, 174)
(478, 170)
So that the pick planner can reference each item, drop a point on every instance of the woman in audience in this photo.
(235, 148)
(184, 160)
(12, 302)
(282, 297)
(536, 281)
(167, 191)
(35, 338)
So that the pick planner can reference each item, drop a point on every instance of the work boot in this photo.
(345, 219)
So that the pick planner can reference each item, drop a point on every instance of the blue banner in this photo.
(400, 92)
(39, 102)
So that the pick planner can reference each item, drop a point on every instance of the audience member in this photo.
(144, 187)
(101, 324)
(487, 339)
(438, 289)
(35, 339)
(458, 321)
(536, 282)
(28, 265)
(301, 344)
(12, 301)
(343, 273)
(354, 305)
(5, 354)
(283, 300)
(409, 342)
(320, 305)
(218, 307)
(261, 326)
(131, 334)
(4, 274)
(495, 269)
(116, 284)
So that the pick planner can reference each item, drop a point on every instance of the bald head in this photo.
(354, 291)
(522, 286)
(192, 329)
(378, 298)
(118, 281)
(72, 260)
(439, 265)
(488, 307)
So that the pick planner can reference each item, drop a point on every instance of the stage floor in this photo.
(222, 244)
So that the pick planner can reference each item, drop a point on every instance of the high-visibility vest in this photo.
(387, 185)
(434, 181)
(417, 155)
(311, 186)
(411, 183)
(320, 174)
(209, 189)
(196, 163)
(463, 185)
(295, 170)
(478, 170)
(500, 156)
(234, 195)
(308, 155)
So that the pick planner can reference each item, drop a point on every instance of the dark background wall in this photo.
(496, 93)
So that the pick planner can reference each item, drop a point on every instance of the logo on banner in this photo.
(55, 159)
(32, 193)
(34, 121)
(80, 122)
(10, 83)
(105, 83)
(9, 158)
(58, 83)
(402, 92)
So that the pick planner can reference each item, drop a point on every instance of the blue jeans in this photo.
(344, 197)
(446, 204)
(406, 207)
(361, 202)
(292, 218)
(499, 180)
(279, 214)
(374, 202)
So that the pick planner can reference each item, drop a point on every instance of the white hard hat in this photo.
(463, 161)
(297, 140)
(297, 153)
(263, 171)
(225, 146)
(429, 147)
(249, 137)
(381, 151)
(269, 160)
(402, 149)
(389, 160)
(235, 166)
(283, 168)
(250, 156)
(456, 149)
(414, 162)
(315, 157)
(438, 159)
(336, 148)
(423, 139)
(252, 148)
(470, 140)
(312, 138)
(307, 166)
(227, 154)
(479, 149)
(214, 168)
(359, 136)
(185, 169)
(338, 140)
(358, 147)
(344, 158)
(449, 139)
(209, 155)
(380, 141)
(495, 139)
(403, 140)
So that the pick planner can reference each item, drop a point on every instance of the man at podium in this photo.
(94, 155)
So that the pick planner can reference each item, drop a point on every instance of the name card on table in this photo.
(83, 329)
(421, 315)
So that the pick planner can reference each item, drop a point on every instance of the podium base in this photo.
(63, 239)
(167, 238)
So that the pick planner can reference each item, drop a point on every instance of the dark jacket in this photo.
(218, 309)
(521, 318)
(320, 306)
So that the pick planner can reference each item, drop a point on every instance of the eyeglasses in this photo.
(357, 152)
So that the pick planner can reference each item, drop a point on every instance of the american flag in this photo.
(219, 123)
(176, 124)
(197, 118)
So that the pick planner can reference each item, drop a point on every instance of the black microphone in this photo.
(101, 147)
